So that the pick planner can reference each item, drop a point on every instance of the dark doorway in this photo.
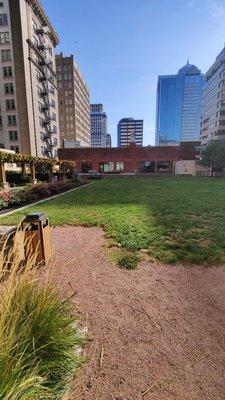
(86, 167)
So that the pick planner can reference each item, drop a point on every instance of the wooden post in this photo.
(3, 182)
(63, 172)
(33, 177)
(23, 167)
(51, 176)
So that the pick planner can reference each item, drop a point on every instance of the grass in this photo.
(178, 219)
(37, 336)
(128, 260)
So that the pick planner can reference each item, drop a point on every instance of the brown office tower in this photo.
(74, 104)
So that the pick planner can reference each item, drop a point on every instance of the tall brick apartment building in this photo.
(132, 159)
(28, 89)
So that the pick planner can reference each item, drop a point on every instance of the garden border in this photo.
(42, 200)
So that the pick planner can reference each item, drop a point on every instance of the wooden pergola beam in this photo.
(3, 181)
(33, 173)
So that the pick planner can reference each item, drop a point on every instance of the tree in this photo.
(213, 155)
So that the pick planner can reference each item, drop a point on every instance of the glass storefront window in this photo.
(119, 166)
(106, 167)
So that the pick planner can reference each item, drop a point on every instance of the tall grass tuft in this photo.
(38, 334)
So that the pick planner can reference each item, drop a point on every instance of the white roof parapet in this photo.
(45, 20)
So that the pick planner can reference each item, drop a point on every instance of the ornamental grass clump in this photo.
(39, 337)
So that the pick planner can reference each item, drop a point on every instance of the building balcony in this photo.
(42, 47)
(44, 92)
(45, 62)
(40, 31)
(44, 78)
(45, 107)
(51, 142)
(45, 122)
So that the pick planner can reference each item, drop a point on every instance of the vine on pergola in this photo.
(24, 159)
(28, 159)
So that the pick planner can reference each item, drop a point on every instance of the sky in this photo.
(121, 46)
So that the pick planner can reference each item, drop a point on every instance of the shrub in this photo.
(38, 337)
(128, 260)
(17, 178)
(40, 191)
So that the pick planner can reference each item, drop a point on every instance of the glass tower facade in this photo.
(178, 110)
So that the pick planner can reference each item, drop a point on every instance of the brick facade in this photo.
(132, 157)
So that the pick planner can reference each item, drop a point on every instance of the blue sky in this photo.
(123, 45)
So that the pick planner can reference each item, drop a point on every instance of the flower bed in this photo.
(12, 198)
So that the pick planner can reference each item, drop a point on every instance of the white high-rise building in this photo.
(28, 89)
(213, 109)
(99, 128)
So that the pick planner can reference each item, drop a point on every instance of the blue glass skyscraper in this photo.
(178, 109)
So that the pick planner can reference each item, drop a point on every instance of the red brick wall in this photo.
(131, 156)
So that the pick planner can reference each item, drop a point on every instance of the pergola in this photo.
(32, 161)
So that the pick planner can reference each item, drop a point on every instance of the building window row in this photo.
(11, 120)
(7, 72)
(13, 135)
(3, 20)
(9, 89)
(10, 104)
(4, 38)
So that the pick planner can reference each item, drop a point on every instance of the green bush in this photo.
(12, 198)
(39, 338)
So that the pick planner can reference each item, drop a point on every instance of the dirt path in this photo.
(159, 329)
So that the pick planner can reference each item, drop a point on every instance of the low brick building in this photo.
(132, 159)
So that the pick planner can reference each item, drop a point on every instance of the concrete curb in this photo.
(43, 200)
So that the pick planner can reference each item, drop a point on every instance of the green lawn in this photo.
(175, 218)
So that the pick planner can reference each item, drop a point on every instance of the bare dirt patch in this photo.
(157, 332)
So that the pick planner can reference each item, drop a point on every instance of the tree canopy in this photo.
(213, 155)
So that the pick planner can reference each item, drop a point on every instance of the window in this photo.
(106, 167)
(119, 166)
(9, 88)
(3, 20)
(15, 148)
(41, 121)
(43, 150)
(10, 104)
(34, 25)
(13, 135)
(7, 72)
(40, 106)
(1, 3)
(11, 120)
(4, 37)
(0, 120)
(6, 55)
